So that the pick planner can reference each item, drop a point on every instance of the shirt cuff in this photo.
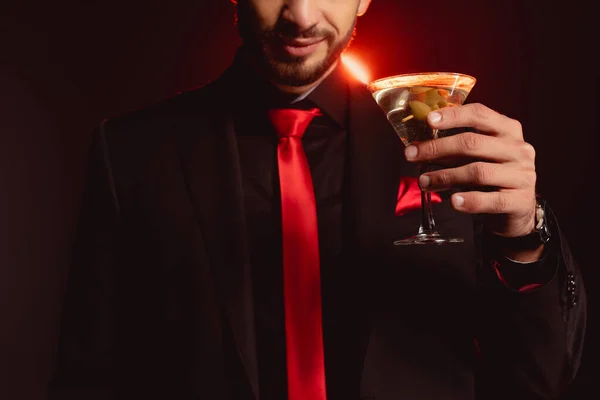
(522, 277)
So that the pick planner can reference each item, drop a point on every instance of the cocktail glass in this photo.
(407, 100)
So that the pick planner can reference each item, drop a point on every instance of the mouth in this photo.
(300, 47)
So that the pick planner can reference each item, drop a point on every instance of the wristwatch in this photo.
(541, 234)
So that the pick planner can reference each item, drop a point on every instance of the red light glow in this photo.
(356, 68)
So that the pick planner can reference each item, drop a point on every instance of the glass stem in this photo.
(427, 222)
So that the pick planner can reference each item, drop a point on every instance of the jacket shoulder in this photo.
(192, 103)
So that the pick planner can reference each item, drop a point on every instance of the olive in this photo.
(433, 96)
(419, 109)
(418, 89)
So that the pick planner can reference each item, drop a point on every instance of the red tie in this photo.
(301, 270)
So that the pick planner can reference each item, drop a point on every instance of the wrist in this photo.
(524, 256)
(528, 247)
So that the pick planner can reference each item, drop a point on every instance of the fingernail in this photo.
(411, 152)
(459, 201)
(424, 181)
(434, 117)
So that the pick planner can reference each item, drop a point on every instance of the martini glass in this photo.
(407, 100)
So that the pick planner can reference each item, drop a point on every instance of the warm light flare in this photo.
(356, 68)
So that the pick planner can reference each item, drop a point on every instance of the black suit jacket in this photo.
(159, 300)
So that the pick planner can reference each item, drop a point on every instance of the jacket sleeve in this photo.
(530, 342)
(84, 360)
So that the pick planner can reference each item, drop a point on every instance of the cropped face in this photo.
(296, 42)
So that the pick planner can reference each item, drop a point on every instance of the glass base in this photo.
(427, 238)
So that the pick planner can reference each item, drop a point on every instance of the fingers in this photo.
(501, 202)
(479, 174)
(476, 116)
(497, 158)
(472, 145)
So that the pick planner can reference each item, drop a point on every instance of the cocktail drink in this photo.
(407, 100)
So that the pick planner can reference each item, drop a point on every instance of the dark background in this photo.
(65, 66)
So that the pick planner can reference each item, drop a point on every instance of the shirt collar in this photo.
(330, 95)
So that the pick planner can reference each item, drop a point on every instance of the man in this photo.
(205, 269)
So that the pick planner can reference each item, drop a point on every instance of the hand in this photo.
(496, 157)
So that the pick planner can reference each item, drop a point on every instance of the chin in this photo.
(296, 77)
(300, 73)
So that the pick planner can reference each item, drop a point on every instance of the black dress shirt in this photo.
(325, 146)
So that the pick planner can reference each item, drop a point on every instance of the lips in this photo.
(301, 47)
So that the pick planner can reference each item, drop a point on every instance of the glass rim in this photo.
(378, 84)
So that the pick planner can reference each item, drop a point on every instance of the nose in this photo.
(303, 13)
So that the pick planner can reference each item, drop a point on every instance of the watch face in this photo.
(541, 216)
(544, 233)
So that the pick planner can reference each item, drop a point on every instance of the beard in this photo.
(278, 66)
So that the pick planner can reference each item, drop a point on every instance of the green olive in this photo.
(419, 109)
(442, 103)
(418, 89)
(433, 96)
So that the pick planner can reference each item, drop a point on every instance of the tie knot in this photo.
(290, 122)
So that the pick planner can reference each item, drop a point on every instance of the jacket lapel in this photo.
(376, 165)
(210, 163)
